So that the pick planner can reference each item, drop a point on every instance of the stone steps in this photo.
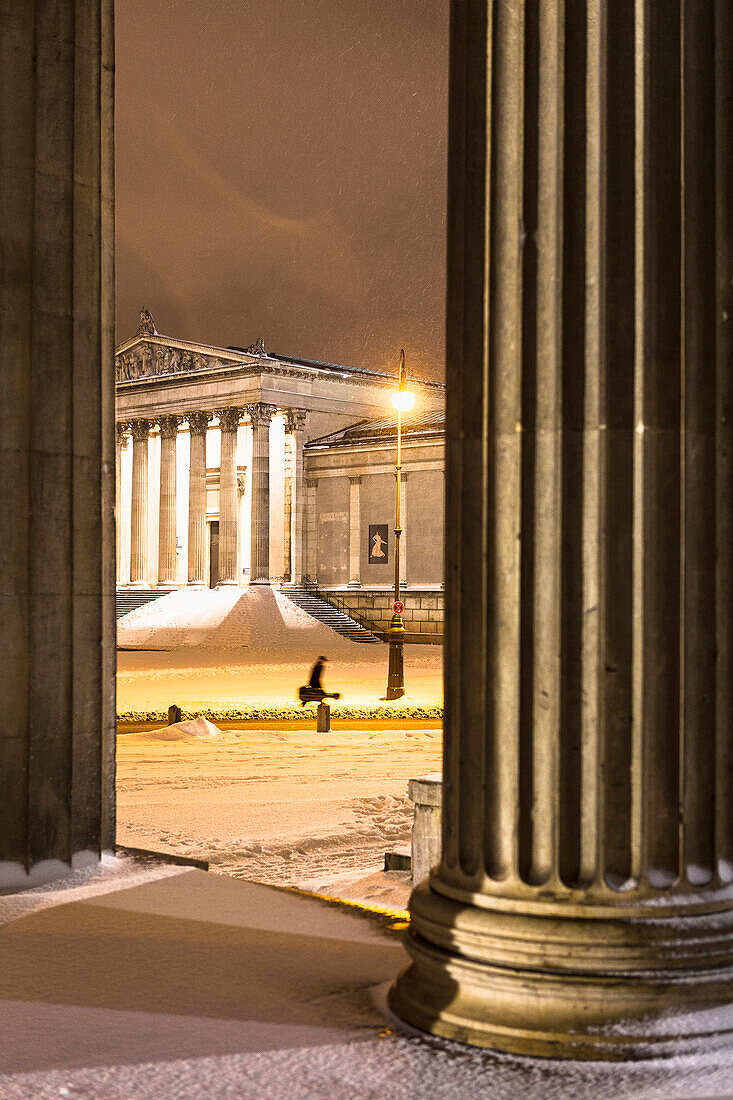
(330, 616)
(129, 599)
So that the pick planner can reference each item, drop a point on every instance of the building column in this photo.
(57, 439)
(198, 423)
(583, 906)
(403, 525)
(121, 431)
(295, 425)
(260, 414)
(241, 493)
(167, 562)
(228, 497)
(311, 528)
(288, 498)
(355, 532)
(139, 510)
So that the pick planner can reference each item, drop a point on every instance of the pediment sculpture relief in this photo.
(146, 361)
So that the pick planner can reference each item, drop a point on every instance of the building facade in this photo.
(350, 512)
(218, 484)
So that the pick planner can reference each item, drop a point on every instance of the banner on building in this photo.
(378, 543)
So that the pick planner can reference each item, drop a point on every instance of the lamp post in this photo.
(402, 401)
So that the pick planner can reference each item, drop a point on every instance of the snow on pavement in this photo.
(196, 986)
(284, 806)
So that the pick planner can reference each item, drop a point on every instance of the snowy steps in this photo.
(329, 615)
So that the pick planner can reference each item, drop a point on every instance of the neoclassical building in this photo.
(235, 466)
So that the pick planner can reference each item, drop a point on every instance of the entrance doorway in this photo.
(213, 553)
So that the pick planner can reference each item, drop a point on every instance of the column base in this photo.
(584, 987)
(268, 583)
(226, 584)
(354, 584)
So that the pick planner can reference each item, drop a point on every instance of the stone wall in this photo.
(423, 614)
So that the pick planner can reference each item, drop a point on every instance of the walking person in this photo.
(314, 692)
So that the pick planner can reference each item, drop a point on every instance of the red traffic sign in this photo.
(398, 607)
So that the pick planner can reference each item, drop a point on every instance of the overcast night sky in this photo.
(281, 173)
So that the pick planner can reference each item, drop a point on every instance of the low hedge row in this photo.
(282, 714)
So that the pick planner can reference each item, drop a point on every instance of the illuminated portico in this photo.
(194, 408)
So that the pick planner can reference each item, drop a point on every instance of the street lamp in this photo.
(402, 401)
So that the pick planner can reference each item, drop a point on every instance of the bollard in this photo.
(174, 714)
(427, 795)
(324, 718)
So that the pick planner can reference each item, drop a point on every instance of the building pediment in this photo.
(150, 356)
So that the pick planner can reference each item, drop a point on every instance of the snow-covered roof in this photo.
(420, 424)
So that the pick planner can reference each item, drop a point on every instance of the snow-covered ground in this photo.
(290, 807)
(260, 619)
(199, 648)
(183, 986)
(286, 806)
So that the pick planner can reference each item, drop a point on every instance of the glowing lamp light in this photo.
(403, 400)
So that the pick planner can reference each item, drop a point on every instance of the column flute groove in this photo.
(723, 791)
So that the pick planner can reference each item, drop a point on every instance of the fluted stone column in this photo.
(260, 414)
(403, 525)
(57, 438)
(355, 532)
(228, 498)
(584, 902)
(167, 562)
(241, 493)
(139, 509)
(121, 431)
(198, 423)
(311, 531)
(295, 425)
(288, 500)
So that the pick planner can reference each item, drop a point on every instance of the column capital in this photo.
(122, 429)
(261, 413)
(354, 479)
(403, 475)
(311, 482)
(169, 426)
(198, 422)
(229, 419)
(140, 429)
(295, 420)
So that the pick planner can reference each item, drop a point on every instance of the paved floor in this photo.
(176, 984)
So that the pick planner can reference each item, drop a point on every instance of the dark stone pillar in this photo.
(57, 437)
(584, 903)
